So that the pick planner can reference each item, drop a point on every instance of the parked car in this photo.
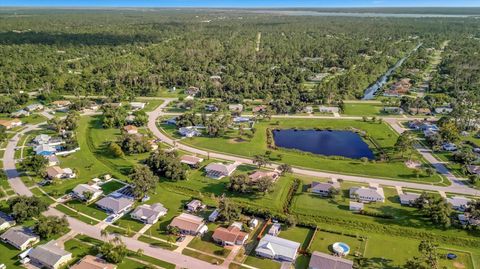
(181, 239)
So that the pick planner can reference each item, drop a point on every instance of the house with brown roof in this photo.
(92, 262)
(230, 236)
(255, 176)
(191, 161)
(321, 260)
(130, 129)
(61, 103)
(58, 172)
(189, 224)
(259, 108)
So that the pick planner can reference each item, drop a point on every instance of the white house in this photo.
(189, 224)
(189, 131)
(49, 255)
(219, 170)
(235, 108)
(328, 109)
(324, 188)
(195, 205)
(149, 214)
(80, 190)
(253, 223)
(115, 205)
(6, 221)
(19, 237)
(408, 198)
(137, 105)
(355, 206)
(449, 147)
(371, 194)
(213, 216)
(459, 203)
(277, 248)
(275, 229)
(58, 172)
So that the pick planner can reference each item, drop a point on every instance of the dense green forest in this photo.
(138, 52)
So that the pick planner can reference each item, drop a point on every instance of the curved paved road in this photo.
(152, 125)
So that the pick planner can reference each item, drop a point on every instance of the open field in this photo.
(381, 133)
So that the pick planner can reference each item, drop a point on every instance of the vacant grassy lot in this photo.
(381, 133)
(203, 257)
(363, 109)
(111, 186)
(74, 214)
(298, 234)
(90, 210)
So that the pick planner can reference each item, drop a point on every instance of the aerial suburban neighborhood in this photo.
(319, 138)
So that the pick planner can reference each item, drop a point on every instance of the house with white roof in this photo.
(195, 205)
(371, 194)
(137, 105)
(356, 206)
(49, 255)
(219, 170)
(34, 107)
(6, 221)
(81, 189)
(443, 110)
(189, 131)
(275, 229)
(235, 108)
(20, 113)
(52, 160)
(459, 203)
(20, 237)
(149, 214)
(191, 161)
(328, 109)
(41, 139)
(45, 150)
(115, 205)
(277, 248)
(58, 172)
(408, 198)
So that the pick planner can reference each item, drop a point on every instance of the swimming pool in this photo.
(341, 248)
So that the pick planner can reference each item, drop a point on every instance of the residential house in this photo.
(34, 107)
(149, 214)
(253, 223)
(189, 131)
(45, 150)
(449, 147)
(211, 108)
(219, 170)
(192, 91)
(420, 111)
(137, 105)
(429, 133)
(192, 161)
(6, 221)
(443, 110)
(20, 237)
(393, 110)
(277, 248)
(49, 255)
(58, 173)
(41, 139)
(81, 189)
(52, 160)
(20, 114)
(92, 262)
(408, 198)
(468, 219)
(473, 169)
(189, 224)
(130, 129)
(195, 205)
(319, 260)
(115, 205)
(259, 108)
(324, 188)
(230, 236)
(459, 203)
(61, 103)
(371, 194)
(130, 118)
(214, 215)
(275, 229)
(172, 121)
(308, 109)
(355, 206)
(238, 108)
(9, 124)
(328, 109)
(255, 176)
(241, 120)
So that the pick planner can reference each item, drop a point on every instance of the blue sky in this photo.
(243, 3)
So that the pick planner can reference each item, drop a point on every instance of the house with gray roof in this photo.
(275, 229)
(49, 255)
(277, 248)
(408, 198)
(459, 203)
(80, 190)
(373, 193)
(324, 188)
(6, 221)
(34, 107)
(149, 214)
(321, 260)
(19, 237)
(115, 205)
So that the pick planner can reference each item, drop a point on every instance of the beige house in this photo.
(49, 255)
(189, 224)
(19, 237)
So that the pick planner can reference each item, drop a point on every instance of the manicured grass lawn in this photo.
(302, 262)
(120, 230)
(203, 257)
(157, 243)
(297, 234)
(463, 259)
(151, 104)
(111, 186)
(323, 242)
(362, 109)
(90, 210)
(130, 224)
(37, 192)
(9, 256)
(74, 214)
(262, 262)
(206, 244)
(382, 134)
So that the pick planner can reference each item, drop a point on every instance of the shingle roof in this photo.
(92, 262)
(81, 188)
(18, 236)
(221, 168)
(149, 211)
(408, 197)
(114, 204)
(273, 246)
(48, 254)
(192, 160)
(187, 222)
(324, 261)
(230, 234)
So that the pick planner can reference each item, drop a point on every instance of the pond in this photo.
(325, 142)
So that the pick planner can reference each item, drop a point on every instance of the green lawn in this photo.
(382, 134)
(74, 214)
(206, 244)
(9, 256)
(298, 234)
(151, 104)
(323, 242)
(262, 263)
(157, 243)
(203, 257)
(111, 186)
(362, 109)
(90, 210)
(130, 224)
(37, 192)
